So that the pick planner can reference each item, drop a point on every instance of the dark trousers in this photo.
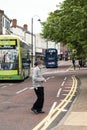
(38, 105)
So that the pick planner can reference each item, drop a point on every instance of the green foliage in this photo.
(68, 25)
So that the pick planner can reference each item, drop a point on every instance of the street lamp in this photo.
(32, 42)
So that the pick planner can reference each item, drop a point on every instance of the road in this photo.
(17, 98)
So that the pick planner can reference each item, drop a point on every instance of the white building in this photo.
(39, 44)
(8, 26)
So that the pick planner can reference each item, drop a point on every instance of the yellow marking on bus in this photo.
(8, 72)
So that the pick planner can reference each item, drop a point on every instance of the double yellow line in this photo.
(45, 123)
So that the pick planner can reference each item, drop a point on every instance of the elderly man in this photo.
(37, 80)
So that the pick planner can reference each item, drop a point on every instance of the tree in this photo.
(68, 25)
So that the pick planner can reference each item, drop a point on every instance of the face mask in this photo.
(41, 67)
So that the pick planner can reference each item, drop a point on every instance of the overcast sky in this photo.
(24, 10)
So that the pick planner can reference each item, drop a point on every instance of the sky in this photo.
(25, 10)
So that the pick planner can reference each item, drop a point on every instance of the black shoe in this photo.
(41, 112)
(34, 110)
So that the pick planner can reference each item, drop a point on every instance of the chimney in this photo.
(14, 23)
(25, 27)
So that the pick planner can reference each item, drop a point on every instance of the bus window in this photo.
(8, 57)
(51, 57)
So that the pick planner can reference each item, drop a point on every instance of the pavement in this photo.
(76, 117)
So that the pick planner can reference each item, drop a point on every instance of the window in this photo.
(7, 24)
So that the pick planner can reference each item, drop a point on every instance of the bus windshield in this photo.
(51, 57)
(8, 54)
(51, 54)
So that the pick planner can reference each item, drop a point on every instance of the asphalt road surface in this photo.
(17, 98)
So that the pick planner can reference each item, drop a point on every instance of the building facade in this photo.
(37, 48)
(4, 23)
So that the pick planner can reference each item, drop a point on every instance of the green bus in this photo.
(14, 58)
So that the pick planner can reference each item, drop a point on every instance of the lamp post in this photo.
(32, 42)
